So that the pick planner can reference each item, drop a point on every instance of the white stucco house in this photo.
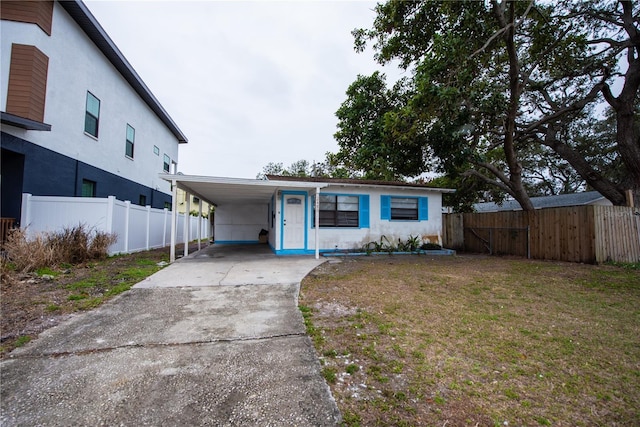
(349, 214)
(77, 119)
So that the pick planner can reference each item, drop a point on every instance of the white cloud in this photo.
(247, 82)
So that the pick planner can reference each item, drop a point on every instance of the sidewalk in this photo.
(213, 339)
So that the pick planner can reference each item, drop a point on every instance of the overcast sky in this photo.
(247, 82)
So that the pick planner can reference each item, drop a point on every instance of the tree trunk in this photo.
(593, 178)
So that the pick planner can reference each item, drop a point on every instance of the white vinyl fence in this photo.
(138, 228)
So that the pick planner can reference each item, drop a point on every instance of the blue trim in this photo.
(236, 242)
(423, 208)
(295, 252)
(306, 217)
(385, 207)
(363, 215)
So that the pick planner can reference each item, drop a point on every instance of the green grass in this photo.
(48, 271)
(22, 340)
(545, 343)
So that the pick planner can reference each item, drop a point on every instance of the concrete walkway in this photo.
(213, 339)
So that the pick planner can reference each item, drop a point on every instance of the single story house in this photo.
(297, 216)
(558, 201)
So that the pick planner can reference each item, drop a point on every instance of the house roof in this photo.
(561, 200)
(358, 182)
(89, 24)
(223, 190)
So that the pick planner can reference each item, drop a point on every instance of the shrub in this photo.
(28, 255)
(72, 245)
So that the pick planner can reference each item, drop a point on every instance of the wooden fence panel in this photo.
(617, 233)
(586, 234)
(452, 231)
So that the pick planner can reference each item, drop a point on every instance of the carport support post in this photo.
(317, 221)
(199, 223)
(187, 224)
(174, 208)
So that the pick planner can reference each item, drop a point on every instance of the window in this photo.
(88, 188)
(167, 205)
(404, 208)
(142, 201)
(339, 211)
(156, 150)
(196, 200)
(131, 136)
(92, 115)
(167, 161)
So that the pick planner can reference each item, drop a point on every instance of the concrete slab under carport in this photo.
(186, 351)
(232, 265)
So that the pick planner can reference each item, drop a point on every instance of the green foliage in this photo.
(22, 340)
(500, 94)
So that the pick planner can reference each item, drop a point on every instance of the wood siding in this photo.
(27, 82)
(31, 12)
(590, 234)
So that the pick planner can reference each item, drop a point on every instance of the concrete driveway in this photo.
(213, 339)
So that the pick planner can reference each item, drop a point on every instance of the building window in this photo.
(156, 150)
(88, 188)
(339, 211)
(142, 201)
(167, 162)
(167, 205)
(131, 137)
(404, 208)
(196, 200)
(92, 115)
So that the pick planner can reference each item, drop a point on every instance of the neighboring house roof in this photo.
(561, 200)
(357, 182)
(89, 24)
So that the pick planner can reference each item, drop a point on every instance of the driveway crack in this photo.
(153, 345)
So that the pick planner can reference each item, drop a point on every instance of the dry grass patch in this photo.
(474, 340)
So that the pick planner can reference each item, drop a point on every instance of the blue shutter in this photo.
(385, 207)
(423, 208)
(313, 212)
(363, 215)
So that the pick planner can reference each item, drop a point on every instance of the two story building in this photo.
(77, 120)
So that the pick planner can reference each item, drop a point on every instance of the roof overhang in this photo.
(227, 191)
(23, 123)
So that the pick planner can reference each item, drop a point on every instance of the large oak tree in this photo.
(495, 88)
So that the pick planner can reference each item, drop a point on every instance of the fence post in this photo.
(199, 224)
(164, 228)
(127, 207)
(111, 204)
(25, 214)
(148, 225)
(187, 224)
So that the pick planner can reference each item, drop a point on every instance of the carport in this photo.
(220, 191)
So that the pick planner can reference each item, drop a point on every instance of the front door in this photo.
(293, 222)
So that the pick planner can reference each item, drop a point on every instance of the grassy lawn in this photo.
(33, 302)
(476, 340)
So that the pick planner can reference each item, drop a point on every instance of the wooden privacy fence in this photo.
(590, 234)
(6, 224)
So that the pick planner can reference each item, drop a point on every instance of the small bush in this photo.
(28, 255)
(71, 245)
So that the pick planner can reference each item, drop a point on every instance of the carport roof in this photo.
(221, 190)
